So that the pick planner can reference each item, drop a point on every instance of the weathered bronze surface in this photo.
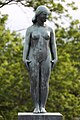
(40, 56)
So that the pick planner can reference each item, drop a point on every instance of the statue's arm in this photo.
(26, 46)
(53, 47)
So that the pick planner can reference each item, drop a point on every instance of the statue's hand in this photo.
(53, 62)
(26, 62)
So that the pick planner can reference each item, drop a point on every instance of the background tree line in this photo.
(64, 93)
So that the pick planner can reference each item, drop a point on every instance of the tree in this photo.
(14, 83)
(65, 78)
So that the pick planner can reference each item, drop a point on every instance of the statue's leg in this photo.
(34, 81)
(45, 74)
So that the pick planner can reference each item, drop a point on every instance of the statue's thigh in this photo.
(34, 70)
(45, 70)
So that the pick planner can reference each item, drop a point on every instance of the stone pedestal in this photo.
(39, 116)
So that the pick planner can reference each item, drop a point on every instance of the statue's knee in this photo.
(33, 84)
(44, 85)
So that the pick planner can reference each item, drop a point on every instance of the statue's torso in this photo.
(39, 47)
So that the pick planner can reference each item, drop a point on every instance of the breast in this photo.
(35, 35)
(46, 35)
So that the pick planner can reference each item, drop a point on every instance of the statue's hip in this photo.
(39, 54)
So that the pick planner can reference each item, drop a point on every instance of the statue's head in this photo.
(40, 10)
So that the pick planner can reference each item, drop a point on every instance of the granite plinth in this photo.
(39, 116)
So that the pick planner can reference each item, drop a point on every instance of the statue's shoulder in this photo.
(49, 28)
(30, 29)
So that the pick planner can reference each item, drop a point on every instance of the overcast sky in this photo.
(20, 17)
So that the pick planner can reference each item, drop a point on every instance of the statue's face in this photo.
(43, 16)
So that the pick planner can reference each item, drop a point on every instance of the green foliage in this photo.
(65, 82)
(14, 81)
(72, 5)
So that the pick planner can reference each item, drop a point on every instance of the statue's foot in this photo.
(36, 110)
(42, 110)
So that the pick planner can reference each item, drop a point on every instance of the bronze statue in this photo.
(40, 55)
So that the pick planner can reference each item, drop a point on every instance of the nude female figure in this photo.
(39, 55)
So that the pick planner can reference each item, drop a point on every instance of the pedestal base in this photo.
(39, 116)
